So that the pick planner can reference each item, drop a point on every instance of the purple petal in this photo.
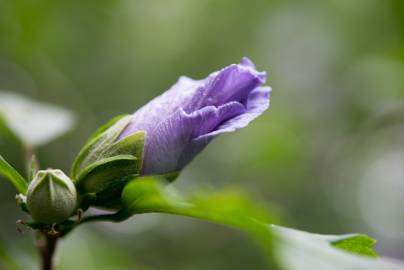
(233, 83)
(169, 140)
(245, 61)
(257, 103)
(182, 121)
(161, 107)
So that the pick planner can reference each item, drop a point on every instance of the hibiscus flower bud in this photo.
(163, 136)
(182, 121)
(51, 197)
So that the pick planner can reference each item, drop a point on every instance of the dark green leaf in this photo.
(8, 172)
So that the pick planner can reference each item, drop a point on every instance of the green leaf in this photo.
(298, 250)
(360, 244)
(34, 123)
(288, 249)
(231, 208)
(8, 172)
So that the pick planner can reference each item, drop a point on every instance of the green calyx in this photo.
(51, 197)
(105, 163)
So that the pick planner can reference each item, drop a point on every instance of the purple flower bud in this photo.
(183, 120)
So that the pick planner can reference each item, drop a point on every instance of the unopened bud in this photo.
(51, 197)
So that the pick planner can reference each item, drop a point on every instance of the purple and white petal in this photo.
(183, 120)
(161, 107)
(257, 103)
(164, 149)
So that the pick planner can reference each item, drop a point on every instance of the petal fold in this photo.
(169, 140)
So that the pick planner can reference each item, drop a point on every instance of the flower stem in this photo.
(116, 217)
(46, 244)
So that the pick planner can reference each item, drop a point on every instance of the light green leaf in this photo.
(34, 123)
(230, 208)
(8, 172)
(298, 250)
(360, 244)
(288, 249)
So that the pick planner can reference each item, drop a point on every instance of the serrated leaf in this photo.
(34, 123)
(8, 172)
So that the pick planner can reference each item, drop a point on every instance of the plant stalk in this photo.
(46, 244)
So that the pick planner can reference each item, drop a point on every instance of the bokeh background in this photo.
(328, 156)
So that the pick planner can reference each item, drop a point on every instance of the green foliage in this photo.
(98, 143)
(360, 244)
(148, 195)
(98, 176)
(8, 172)
(104, 163)
(298, 250)
(291, 249)
(329, 78)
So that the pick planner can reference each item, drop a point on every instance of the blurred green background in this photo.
(327, 157)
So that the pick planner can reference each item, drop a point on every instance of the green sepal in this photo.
(33, 167)
(105, 162)
(99, 175)
(11, 174)
(170, 177)
(110, 197)
(104, 136)
(86, 200)
(118, 160)
(22, 202)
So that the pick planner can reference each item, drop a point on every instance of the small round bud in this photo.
(51, 197)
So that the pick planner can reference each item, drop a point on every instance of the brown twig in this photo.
(46, 244)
